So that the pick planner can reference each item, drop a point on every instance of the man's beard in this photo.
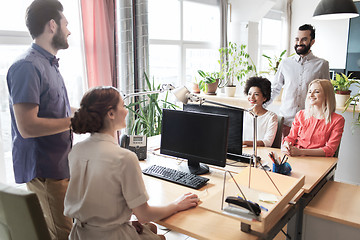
(304, 50)
(59, 40)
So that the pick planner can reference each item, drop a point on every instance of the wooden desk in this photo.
(317, 171)
(313, 168)
(198, 222)
(338, 202)
(334, 213)
(203, 224)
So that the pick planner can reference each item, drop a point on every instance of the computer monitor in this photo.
(234, 149)
(198, 137)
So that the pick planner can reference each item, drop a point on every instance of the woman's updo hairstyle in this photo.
(95, 104)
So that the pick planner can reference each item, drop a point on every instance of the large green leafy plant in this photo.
(354, 101)
(342, 82)
(146, 111)
(235, 63)
(273, 62)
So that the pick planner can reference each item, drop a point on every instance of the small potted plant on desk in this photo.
(341, 85)
(195, 86)
(235, 65)
(209, 82)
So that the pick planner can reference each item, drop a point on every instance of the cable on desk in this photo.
(180, 160)
(235, 164)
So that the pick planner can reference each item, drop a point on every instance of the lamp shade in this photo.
(335, 9)
(182, 94)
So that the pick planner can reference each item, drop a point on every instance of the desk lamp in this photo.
(184, 95)
(163, 88)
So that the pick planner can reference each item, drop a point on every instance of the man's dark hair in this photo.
(263, 83)
(39, 13)
(310, 28)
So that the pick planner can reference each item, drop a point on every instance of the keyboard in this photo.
(176, 176)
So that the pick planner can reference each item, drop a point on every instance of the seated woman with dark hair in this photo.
(258, 91)
(317, 130)
(106, 185)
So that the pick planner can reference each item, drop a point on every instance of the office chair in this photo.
(277, 140)
(21, 216)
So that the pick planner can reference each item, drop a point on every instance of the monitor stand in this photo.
(197, 168)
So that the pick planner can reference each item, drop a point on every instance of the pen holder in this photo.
(284, 168)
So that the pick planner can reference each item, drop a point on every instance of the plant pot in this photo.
(212, 87)
(230, 91)
(341, 97)
(196, 88)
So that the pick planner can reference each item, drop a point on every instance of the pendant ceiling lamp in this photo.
(335, 9)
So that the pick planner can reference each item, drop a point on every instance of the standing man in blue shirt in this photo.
(40, 114)
(295, 73)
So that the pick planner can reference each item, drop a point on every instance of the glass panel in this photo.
(8, 54)
(200, 59)
(164, 19)
(165, 67)
(12, 15)
(201, 22)
(271, 32)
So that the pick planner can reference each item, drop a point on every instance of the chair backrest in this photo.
(277, 140)
(336, 154)
(21, 216)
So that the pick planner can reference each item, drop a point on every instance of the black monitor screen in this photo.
(234, 148)
(197, 137)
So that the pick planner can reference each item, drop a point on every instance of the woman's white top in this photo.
(105, 184)
(266, 127)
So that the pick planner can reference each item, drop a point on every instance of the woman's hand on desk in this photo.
(146, 213)
(187, 201)
(288, 149)
(293, 151)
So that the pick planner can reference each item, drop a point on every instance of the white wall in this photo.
(2, 162)
(331, 35)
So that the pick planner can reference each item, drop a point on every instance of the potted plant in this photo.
(273, 63)
(273, 66)
(146, 112)
(195, 86)
(209, 82)
(341, 85)
(235, 64)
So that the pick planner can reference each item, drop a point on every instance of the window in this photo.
(14, 40)
(184, 36)
(272, 39)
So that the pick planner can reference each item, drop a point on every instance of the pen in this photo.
(286, 159)
(282, 160)
(271, 158)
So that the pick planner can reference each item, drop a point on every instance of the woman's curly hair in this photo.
(263, 83)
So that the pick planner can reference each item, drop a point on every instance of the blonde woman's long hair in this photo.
(329, 105)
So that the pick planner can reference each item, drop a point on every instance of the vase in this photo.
(341, 98)
(230, 91)
(212, 87)
(196, 88)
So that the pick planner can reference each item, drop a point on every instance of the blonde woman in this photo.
(317, 130)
